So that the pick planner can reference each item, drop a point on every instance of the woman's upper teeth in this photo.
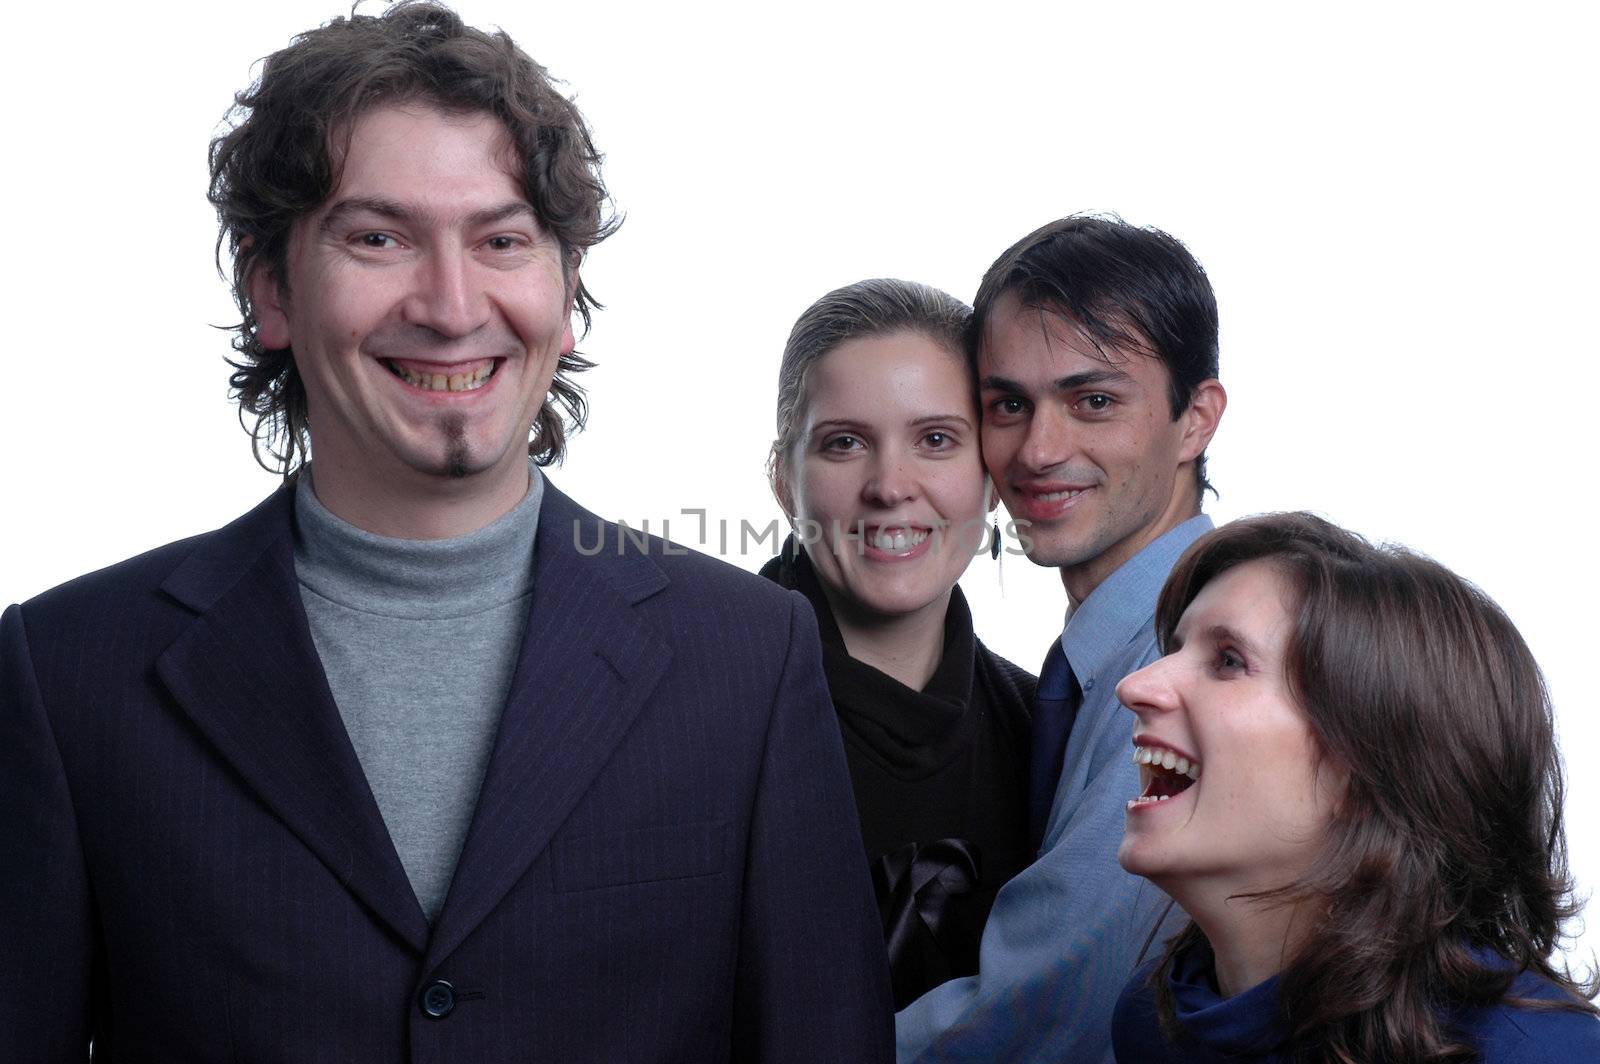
(897, 538)
(1149, 755)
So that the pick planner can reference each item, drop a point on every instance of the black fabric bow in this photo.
(920, 887)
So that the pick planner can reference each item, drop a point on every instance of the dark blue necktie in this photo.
(1054, 708)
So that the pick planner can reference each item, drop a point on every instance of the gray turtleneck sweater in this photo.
(418, 639)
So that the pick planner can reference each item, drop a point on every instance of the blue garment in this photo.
(1247, 1027)
(1055, 707)
(1066, 933)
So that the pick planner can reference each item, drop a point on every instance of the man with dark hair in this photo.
(418, 759)
(1095, 348)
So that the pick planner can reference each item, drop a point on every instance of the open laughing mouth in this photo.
(1164, 774)
(440, 377)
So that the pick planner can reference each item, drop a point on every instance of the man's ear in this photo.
(267, 300)
(569, 340)
(1201, 418)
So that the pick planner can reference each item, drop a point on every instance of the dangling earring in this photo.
(994, 541)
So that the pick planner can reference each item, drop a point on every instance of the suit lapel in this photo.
(247, 674)
(587, 665)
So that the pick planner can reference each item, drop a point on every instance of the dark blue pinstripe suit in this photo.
(664, 863)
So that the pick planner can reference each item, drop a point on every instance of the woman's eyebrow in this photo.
(1221, 633)
(834, 423)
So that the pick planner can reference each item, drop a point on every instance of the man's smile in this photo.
(442, 377)
(1048, 501)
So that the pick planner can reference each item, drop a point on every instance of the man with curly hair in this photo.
(399, 765)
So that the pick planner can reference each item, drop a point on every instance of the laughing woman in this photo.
(1352, 788)
(877, 464)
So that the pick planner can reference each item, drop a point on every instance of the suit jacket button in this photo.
(438, 999)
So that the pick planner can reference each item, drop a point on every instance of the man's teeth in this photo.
(1149, 755)
(1058, 496)
(898, 539)
(439, 382)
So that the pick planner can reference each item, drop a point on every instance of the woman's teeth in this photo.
(440, 382)
(898, 539)
(1149, 755)
(1166, 774)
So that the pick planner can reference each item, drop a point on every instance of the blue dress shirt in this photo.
(1065, 934)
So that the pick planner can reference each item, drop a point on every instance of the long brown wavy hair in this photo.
(278, 162)
(1449, 840)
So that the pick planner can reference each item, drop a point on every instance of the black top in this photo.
(940, 780)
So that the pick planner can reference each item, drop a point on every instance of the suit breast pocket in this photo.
(638, 855)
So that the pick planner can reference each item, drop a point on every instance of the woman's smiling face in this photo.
(885, 482)
(1252, 809)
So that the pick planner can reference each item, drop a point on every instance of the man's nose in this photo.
(448, 296)
(1049, 441)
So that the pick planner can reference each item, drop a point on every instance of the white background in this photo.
(1395, 204)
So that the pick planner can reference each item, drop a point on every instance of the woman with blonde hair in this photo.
(877, 465)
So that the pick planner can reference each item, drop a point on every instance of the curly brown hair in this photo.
(1448, 849)
(279, 161)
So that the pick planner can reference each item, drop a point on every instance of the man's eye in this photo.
(1096, 403)
(377, 240)
(1010, 406)
(502, 243)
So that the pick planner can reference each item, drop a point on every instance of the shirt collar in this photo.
(1124, 605)
(1247, 1024)
(416, 578)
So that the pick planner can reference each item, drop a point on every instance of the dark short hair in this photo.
(278, 162)
(1448, 840)
(1130, 288)
(876, 307)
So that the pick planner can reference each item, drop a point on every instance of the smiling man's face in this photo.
(1082, 443)
(426, 306)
